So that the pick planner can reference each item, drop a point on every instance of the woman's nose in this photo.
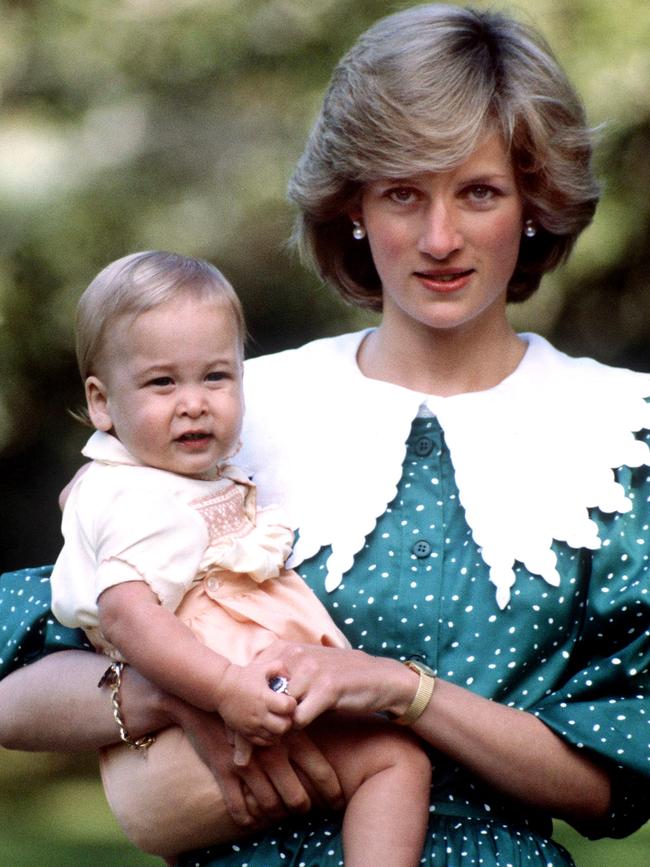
(440, 233)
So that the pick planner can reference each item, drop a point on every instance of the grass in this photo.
(633, 851)
(53, 812)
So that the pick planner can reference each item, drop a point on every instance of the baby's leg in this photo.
(386, 778)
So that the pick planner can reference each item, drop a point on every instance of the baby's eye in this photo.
(216, 376)
(161, 381)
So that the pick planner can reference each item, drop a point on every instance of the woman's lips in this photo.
(444, 281)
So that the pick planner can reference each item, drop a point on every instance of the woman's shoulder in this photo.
(543, 359)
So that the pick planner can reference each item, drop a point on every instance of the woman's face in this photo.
(445, 245)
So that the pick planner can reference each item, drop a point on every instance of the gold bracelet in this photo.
(113, 677)
(422, 695)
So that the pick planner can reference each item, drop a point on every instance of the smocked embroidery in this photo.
(223, 514)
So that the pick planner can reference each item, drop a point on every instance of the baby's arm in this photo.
(164, 650)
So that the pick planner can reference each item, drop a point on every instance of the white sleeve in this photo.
(116, 536)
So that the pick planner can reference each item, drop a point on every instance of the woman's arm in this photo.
(54, 705)
(509, 749)
(516, 753)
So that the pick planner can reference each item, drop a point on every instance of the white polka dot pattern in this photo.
(578, 656)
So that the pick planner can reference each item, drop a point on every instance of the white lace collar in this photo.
(530, 455)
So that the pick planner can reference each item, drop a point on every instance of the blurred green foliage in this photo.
(175, 124)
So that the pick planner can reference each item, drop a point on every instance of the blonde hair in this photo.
(140, 282)
(417, 93)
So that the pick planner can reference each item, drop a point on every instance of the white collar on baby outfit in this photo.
(530, 455)
(108, 449)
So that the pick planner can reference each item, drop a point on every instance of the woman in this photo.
(468, 499)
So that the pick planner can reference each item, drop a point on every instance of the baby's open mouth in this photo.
(193, 437)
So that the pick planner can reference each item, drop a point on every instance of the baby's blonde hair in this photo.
(140, 282)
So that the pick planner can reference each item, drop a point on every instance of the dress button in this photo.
(423, 446)
(421, 549)
(213, 583)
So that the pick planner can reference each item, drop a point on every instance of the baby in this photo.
(164, 546)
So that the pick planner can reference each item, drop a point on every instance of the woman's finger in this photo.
(236, 802)
(312, 702)
(277, 766)
(262, 789)
(314, 770)
(253, 807)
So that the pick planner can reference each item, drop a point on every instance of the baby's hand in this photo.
(243, 750)
(251, 708)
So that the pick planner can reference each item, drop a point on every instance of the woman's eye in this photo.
(401, 195)
(481, 193)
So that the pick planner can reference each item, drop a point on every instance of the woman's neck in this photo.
(442, 362)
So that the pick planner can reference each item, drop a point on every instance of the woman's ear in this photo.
(97, 400)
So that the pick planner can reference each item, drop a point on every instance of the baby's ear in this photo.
(97, 400)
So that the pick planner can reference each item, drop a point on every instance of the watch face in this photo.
(422, 667)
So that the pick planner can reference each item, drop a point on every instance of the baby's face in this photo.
(173, 386)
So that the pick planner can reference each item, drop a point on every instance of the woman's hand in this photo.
(345, 680)
(301, 774)
(287, 777)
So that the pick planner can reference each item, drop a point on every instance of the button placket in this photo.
(425, 544)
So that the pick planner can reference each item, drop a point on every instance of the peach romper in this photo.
(212, 558)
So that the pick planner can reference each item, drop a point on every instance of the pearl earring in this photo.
(358, 232)
(530, 229)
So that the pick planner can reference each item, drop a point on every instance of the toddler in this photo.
(164, 546)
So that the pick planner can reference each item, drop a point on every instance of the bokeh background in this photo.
(174, 124)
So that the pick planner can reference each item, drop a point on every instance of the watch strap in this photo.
(422, 695)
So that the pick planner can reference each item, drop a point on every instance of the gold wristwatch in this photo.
(422, 695)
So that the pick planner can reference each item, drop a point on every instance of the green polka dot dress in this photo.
(575, 655)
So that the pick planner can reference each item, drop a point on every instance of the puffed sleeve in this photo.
(143, 534)
(605, 706)
(159, 537)
(28, 629)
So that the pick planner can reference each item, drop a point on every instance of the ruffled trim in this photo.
(261, 553)
(534, 454)
(531, 455)
(357, 445)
